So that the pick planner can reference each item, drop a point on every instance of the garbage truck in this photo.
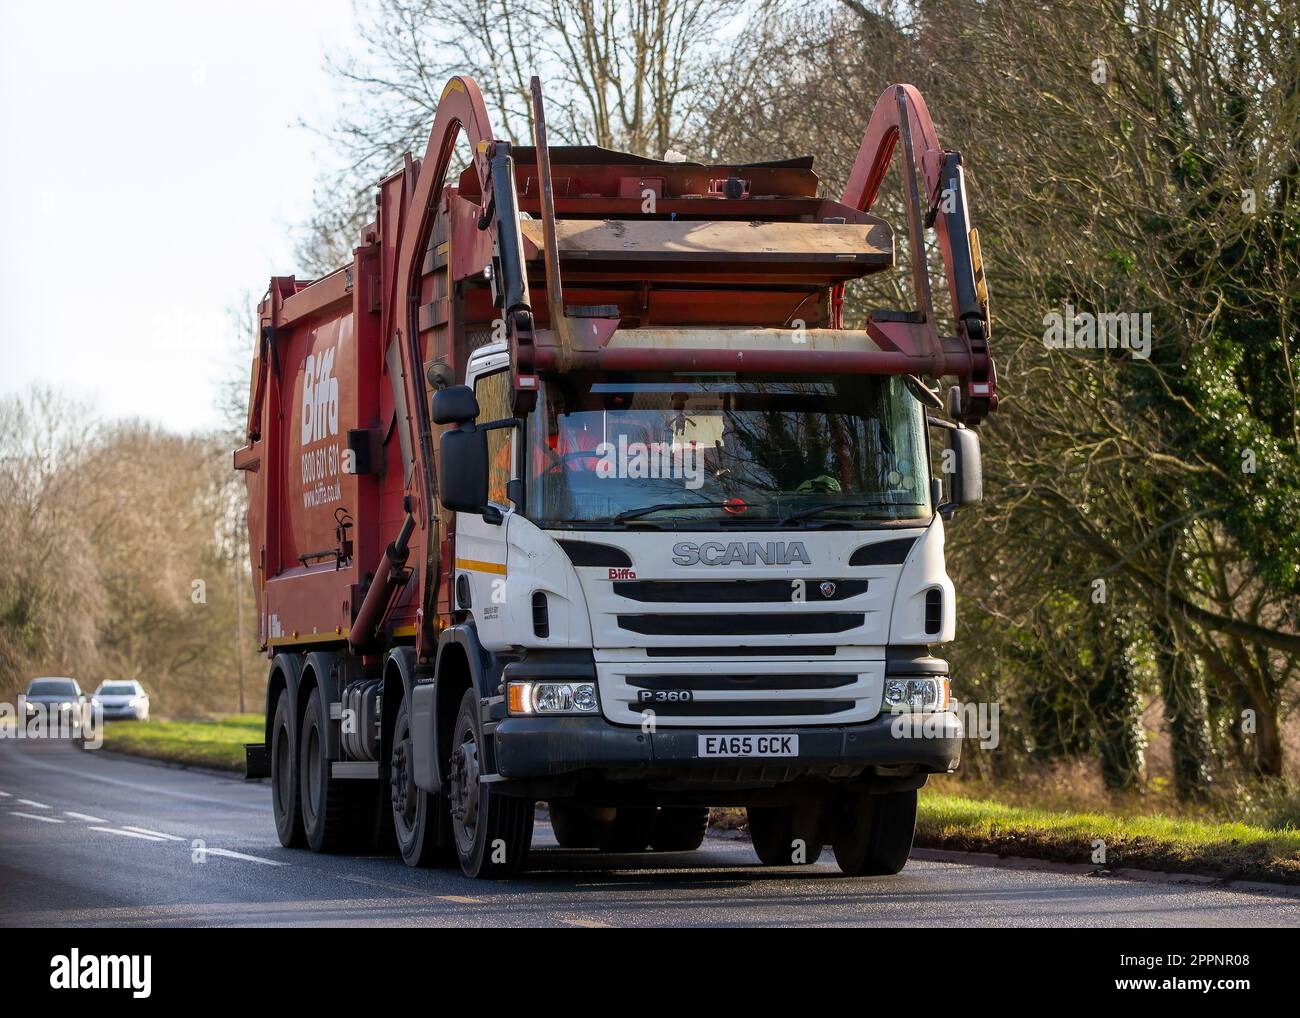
(573, 486)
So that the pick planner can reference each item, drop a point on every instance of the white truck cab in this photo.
(710, 590)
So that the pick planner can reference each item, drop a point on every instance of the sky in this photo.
(151, 172)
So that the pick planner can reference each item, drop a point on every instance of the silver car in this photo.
(122, 700)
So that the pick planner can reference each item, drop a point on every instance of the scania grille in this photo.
(747, 708)
(737, 591)
(756, 681)
(742, 692)
(750, 624)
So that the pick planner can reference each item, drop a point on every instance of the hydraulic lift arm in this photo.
(461, 108)
(900, 114)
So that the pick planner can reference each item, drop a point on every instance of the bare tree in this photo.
(618, 73)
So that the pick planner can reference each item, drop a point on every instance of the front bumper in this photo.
(124, 713)
(533, 747)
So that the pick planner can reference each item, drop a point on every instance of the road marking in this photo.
(32, 802)
(84, 775)
(459, 899)
(84, 816)
(4, 795)
(35, 816)
(156, 834)
(228, 854)
(128, 834)
(588, 923)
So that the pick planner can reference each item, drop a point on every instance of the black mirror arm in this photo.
(505, 422)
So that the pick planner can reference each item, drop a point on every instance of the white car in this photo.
(122, 699)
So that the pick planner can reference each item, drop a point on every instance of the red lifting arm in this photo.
(460, 108)
(900, 113)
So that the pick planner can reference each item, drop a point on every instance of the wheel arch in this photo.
(322, 670)
(284, 677)
(399, 682)
(462, 664)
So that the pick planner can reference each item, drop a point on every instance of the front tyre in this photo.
(784, 835)
(573, 826)
(875, 835)
(421, 823)
(492, 832)
(630, 830)
(680, 828)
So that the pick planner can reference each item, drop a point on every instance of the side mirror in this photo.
(463, 465)
(455, 404)
(968, 468)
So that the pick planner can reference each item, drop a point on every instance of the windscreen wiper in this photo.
(646, 510)
(814, 510)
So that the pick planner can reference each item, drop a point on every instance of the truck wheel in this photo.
(875, 836)
(783, 836)
(285, 804)
(680, 828)
(573, 826)
(333, 810)
(492, 831)
(629, 831)
(421, 824)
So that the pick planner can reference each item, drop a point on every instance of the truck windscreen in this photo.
(725, 451)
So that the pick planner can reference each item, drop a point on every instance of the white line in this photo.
(4, 795)
(156, 834)
(85, 775)
(34, 816)
(129, 834)
(31, 802)
(240, 855)
(84, 816)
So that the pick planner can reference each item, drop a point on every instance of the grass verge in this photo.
(1231, 851)
(218, 744)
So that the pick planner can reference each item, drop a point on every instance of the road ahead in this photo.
(98, 840)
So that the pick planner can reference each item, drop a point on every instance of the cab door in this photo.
(480, 545)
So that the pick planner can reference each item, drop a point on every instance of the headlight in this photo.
(552, 698)
(916, 694)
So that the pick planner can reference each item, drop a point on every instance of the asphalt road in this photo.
(89, 839)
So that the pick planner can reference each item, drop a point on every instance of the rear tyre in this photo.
(629, 831)
(784, 835)
(680, 828)
(421, 825)
(333, 810)
(285, 803)
(492, 832)
(875, 835)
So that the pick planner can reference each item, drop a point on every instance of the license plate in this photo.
(748, 745)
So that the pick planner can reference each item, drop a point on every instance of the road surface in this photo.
(91, 839)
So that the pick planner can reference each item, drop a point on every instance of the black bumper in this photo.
(548, 747)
